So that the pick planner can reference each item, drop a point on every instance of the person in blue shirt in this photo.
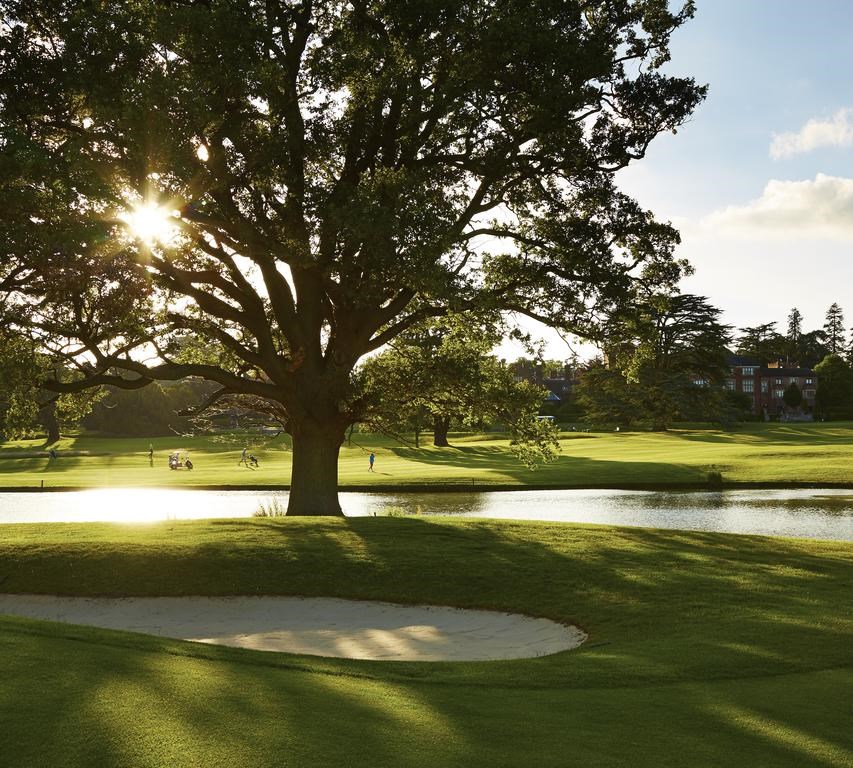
(372, 459)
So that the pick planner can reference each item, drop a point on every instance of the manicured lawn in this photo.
(771, 453)
(704, 649)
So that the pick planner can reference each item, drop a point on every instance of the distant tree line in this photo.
(797, 347)
(161, 408)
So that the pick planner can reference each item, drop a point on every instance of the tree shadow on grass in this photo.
(565, 470)
(660, 606)
(700, 644)
(779, 434)
(72, 703)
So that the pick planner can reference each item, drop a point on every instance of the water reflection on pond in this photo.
(814, 513)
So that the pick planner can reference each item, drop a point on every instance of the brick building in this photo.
(766, 384)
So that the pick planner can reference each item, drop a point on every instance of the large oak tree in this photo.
(335, 168)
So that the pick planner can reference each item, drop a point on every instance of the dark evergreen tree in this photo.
(793, 337)
(834, 329)
(795, 326)
(811, 349)
(792, 396)
(763, 342)
(606, 396)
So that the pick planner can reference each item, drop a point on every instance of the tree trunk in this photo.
(47, 418)
(439, 428)
(314, 476)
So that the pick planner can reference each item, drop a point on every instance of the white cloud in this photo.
(818, 209)
(837, 131)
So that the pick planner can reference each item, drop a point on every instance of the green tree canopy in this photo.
(25, 407)
(792, 395)
(811, 348)
(834, 396)
(607, 397)
(762, 342)
(444, 372)
(671, 349)
(328, 173)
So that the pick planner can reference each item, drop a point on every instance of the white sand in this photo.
(315, 626)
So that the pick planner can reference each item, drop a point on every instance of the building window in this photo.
(730, 385)
(778, 381)
(808, 394)
(809, 381)
(700, 382)
(777, 393)
(748, 385)
(747, 371)
(764, 386)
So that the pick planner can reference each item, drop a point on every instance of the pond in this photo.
(810, 513)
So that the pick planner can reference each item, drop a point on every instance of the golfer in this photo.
(243, 457)
(371, 459)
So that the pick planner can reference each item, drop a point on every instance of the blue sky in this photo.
(772, 67)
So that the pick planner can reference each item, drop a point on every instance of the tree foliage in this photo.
(762, 342)
(153, 410)
(607, 397)
(444, 372)
(793, 396)
(795, 326)
(334, 169)
(671, 351)
(25, 407)
(834, 330)
(834, 396)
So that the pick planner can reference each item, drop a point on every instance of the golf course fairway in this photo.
(778, 454)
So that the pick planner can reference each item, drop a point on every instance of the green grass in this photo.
(704, 649)
(759, 453)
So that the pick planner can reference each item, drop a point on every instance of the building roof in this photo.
(732, 359)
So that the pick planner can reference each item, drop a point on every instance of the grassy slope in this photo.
(704, 649)
(773, 453)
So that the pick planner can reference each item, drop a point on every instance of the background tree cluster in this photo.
(158, 409)
(26, 407)
(444, 374)
(834, 397)
(665, 361)
(796, 347)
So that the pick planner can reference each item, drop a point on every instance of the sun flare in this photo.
(151, 223)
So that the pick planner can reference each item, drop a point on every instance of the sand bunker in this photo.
(316, 626)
